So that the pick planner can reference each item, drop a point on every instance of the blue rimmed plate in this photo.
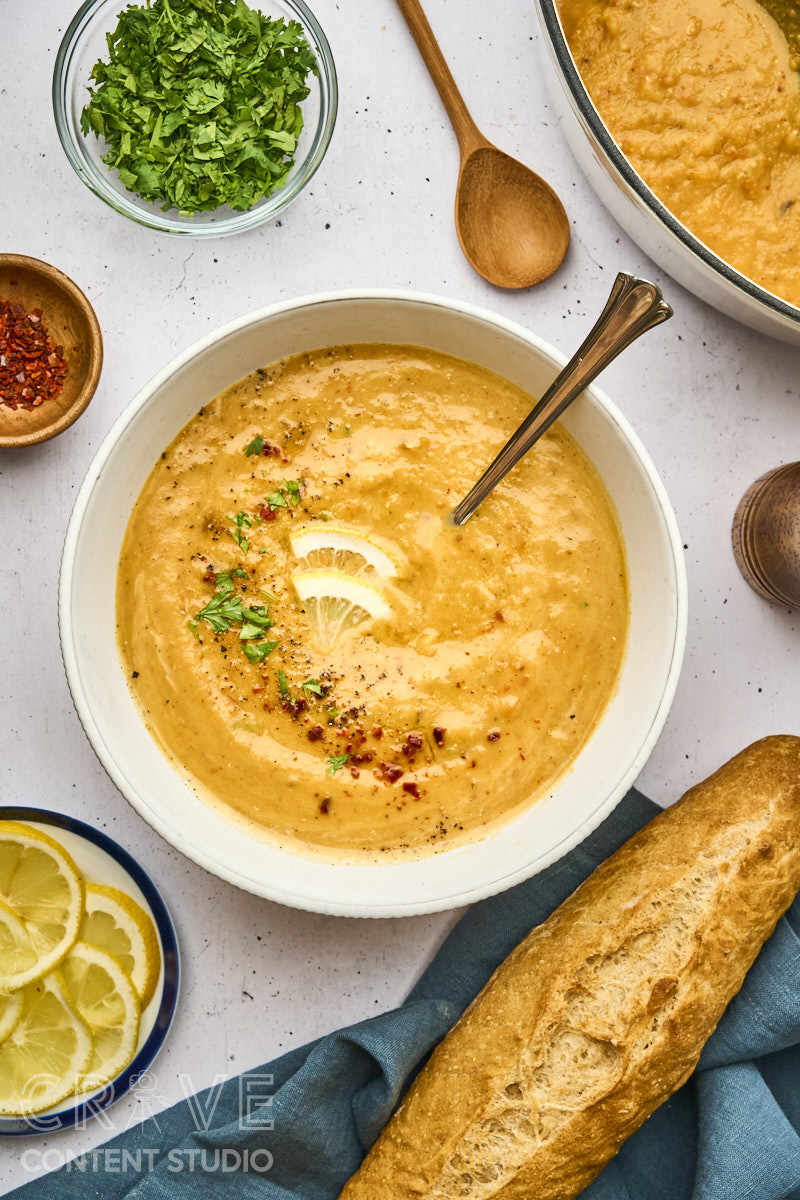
(101, 860)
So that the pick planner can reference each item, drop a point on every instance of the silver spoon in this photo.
(634, 306)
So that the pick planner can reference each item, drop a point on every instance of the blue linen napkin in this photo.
(731, 1133)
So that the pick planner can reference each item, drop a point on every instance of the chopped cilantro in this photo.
(198, 102)
(258, 651)
(335, 762)
(293, 490)
(283, 684)
(277, 500)
(254, 447)
(313, 685)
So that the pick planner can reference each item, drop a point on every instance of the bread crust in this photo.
(601, 1013)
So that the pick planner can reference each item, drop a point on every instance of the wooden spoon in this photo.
(511, 225)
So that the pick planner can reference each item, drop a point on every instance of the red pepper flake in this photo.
(389, 772)
(269, 448)
(266, 513)
(412, 790)
(377, 732)
(493, 735)
(315, 733)
(325, 805)
(412, 744)
(438, 735)
(32, 366)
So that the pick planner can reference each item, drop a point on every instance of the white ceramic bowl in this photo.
(641, 214)
(606, 766)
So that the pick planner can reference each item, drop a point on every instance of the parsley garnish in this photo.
(287, 496)
(226, 609)
(254, 447)
(335, 762)
(222, 610)
(254, 621)
(258, 651)
(283, 684)
(313, 685)
(242, 522)
(199, 102)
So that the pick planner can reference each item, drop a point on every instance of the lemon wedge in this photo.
(103, 994)
(46, 1052)
(335, 601)
(10, 1013)
(114, 922)
(342, 548)
(44, 890)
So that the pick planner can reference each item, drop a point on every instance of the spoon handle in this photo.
(634, 306)
(467, 132)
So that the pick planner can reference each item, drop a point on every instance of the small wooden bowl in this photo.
(71, 322)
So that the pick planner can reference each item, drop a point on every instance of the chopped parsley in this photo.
(287, 496)
(277, 500)
(336, 762)
(283, 684)
(254, 447)
(225, 609)
(242, 522)
(258, 651)
(293, 490)
(314, 686)
(254, 621)
(198, 102)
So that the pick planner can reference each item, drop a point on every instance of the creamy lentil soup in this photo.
(315, 646)
(703, 98)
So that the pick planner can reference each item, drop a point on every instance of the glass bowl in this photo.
(85, 42)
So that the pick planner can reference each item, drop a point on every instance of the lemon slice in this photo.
(10, 1013)
(342, 548)
(335, 601)
(46, 1052)
(18, 958)
(114, 922)
(42, 886)
(107, 1001)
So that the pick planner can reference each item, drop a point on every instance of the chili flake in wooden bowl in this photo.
(51, 351)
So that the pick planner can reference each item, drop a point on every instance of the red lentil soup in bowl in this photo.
(311, 681)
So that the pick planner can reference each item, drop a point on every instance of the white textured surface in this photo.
(715, 404)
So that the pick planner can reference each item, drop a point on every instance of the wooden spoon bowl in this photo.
(71, 322)
(511, 224)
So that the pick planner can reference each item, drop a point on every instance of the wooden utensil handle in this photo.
(467, 132)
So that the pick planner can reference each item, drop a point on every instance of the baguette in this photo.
(601, 1013)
